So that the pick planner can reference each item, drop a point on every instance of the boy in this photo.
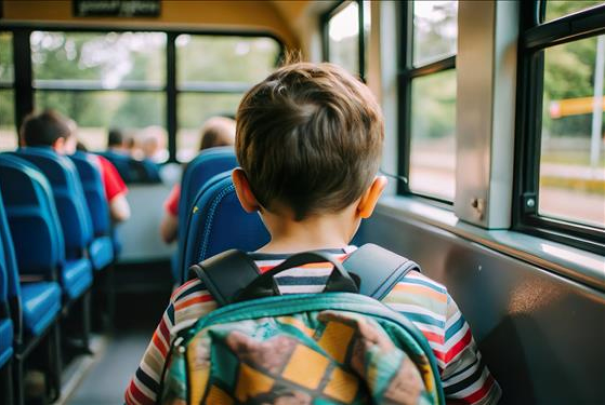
(51, 129)
(309, 142)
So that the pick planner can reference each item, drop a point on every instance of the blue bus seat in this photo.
(202, 168)
(69, 197)
(6, 340)
(101, 249)
(150, 170)
(132, 170)
(121, 163)
(217, 222)
(6, 323)
(41, 303)
(36, 229)
(34, 309)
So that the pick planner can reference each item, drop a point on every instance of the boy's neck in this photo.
(314, 233)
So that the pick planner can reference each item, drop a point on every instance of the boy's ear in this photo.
(243, 191)
(368, 201)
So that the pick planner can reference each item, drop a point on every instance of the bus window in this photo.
(433, 140)
(96, 112)
(213, 73)
(435, 30)
(101, 80)
(8, 132)
(344, 45)
(572, 164)
(428, 95)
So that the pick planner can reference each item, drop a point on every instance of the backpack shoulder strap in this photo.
(226, 274)
(378, 269)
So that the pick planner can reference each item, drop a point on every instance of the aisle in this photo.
(106, 381)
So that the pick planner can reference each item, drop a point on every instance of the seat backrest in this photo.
(4, 281)
(121, 163)
(202, 168)
(69, 197)
(32, 217)
(8, 268)
(92, 183)
(217, 222)
(132, 170)
(149, 172)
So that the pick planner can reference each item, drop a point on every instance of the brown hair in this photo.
(309, 137)
(44, 129)
(218, 131)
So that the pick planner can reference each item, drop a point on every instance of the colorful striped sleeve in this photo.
(466, 379)
(187, 304)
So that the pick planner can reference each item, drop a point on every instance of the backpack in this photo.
(342, 346)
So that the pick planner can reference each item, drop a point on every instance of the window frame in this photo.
(361, 42)
(25, 87)
(12, 85)
(407, 72)
(535, 37)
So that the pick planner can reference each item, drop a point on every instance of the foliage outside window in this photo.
(129, 80)
(343, 43)
(562, 161)
(561, 8)
(8, 132)
(213, 72)
(428, 99)
(102, 81)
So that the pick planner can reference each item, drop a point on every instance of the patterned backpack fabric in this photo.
(339, 347)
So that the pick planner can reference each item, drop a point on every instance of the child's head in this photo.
(309, 140)
(48, 128)
(218, 131)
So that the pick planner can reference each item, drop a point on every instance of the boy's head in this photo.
(48, 128)
(309, 140)
(116, 139)
(218, 131)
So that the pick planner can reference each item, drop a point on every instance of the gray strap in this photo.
(378, 269)
(226, 274)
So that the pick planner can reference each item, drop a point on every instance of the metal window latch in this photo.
(530, 203)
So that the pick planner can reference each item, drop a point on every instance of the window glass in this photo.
(109, 60)
(433, 127)
(572, 162)
(435, 30)
(194, 109)
(6, 57)
(97, 111)
(224, 58)
(8, 131)
(561, 8)
(343, 36)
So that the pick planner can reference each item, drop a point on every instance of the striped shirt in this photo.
(466, 379)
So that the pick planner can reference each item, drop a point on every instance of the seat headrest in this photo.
(68, 193)
(217, 222)
(35, 227)
(202, 168)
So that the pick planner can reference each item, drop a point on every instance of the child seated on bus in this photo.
(309, 142)
(51, 129)
(217, 131)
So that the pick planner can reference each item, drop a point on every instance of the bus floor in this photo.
(101, 378)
